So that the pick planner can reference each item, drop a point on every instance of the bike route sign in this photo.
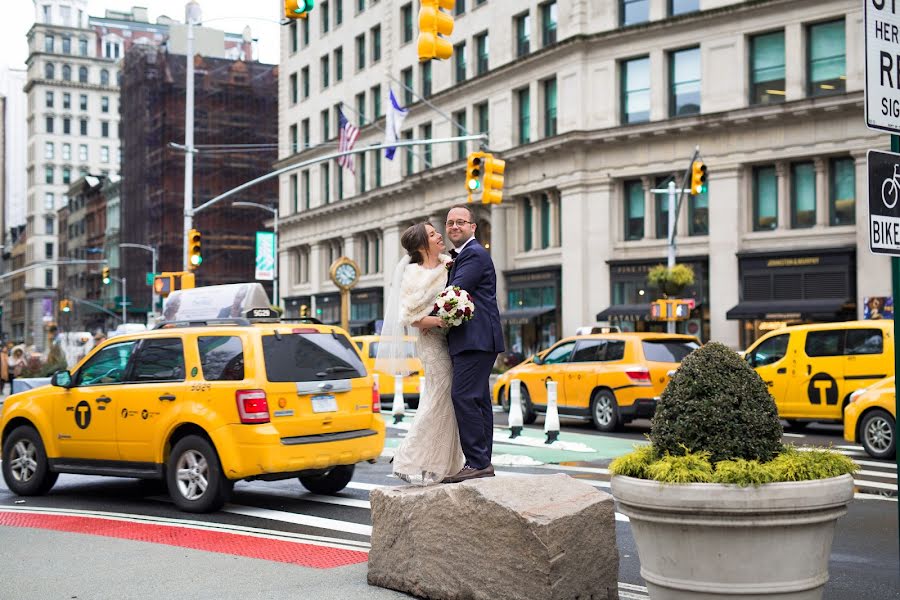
(884, 208)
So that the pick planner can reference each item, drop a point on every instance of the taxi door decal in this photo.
(83, 414)
(822, 385)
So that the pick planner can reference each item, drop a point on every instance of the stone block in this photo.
(519, 537)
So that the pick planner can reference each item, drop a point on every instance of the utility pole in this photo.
(192, 13)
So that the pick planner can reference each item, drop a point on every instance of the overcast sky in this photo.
(229, 15)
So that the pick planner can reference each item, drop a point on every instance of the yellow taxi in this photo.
(201, 403)
(368, 348)
(870, 419)
(609, 379)
(812, 370)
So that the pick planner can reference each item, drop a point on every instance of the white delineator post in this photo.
(551, 421)
(515, 408)
(399, 408)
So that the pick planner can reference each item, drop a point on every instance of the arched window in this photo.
(104, 77)
(49, 71)
(67, 73)
(82, 74)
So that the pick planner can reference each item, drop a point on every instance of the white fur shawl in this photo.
(420, 289)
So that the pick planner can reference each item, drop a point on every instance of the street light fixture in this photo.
(274, 212)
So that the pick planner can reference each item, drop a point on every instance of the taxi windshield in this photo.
(310, 357)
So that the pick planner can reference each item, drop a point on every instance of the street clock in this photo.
(344, 273)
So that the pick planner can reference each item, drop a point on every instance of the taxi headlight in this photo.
(855, 395)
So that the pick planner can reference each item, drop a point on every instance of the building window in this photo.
(545, 221)
(406, 76)
(523, 35)
(481, 111)
(680, 7)
(48, 43)
(527, 225)
(360, 52)
(765, 199)
(67, 45)
(48, 124)
(82, 152)
(523, 98)
(661, 203)
(767, 84)
(323, 10)
(48, 250)
(48, 150)
(304, 132)
(292, 85)
(634, 11)
(482, 48)
(827, 68)
(460, 7)
(425, 131)
(406, 20)
(292, 138)
(407, 135)
(326, 183)
(295, 43)
(104, 154)
(376, 165)
(339, 64)
(104, 128)
(67, 100)
(325, 64)
(304, 82)
(67, 73)
(66, 175)
(49, 71)
(363, 175)
(67, 151)
(360, 5)
(459, 117)
(48, 225)
(104, 77)
(376, 101)
(295, 193)
(361, 108)
(459, 60)
(67, 126)
(83, 47)
(426, 79)
(326, 125)
(82, 74)
(548, 23)
(636, 90)
(48, 100)
(634, 210)
(803, 195)
(48, 201)
(304, 181)
(304, 29)
(104, 104)
(48, 278)
(376, 43)
(83, 101)
(684, 75)
(843, 192)
(550, 108)
(698, 214)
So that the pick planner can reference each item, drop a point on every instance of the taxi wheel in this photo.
(194, 476)
(25, 467)
(605, 411)
(330, 482)
(878, 434)
(528, 414)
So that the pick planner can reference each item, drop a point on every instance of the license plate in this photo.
(326, 403)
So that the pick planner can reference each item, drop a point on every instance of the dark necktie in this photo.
(454, 253)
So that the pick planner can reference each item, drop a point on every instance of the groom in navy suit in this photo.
(474, 345)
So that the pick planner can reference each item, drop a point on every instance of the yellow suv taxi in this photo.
(609, 378)
(812, 370)
(368, 348)
(870, 419)
(200, 405)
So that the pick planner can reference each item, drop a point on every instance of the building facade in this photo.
(594, 105)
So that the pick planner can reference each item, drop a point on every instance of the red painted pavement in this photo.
(306, 555)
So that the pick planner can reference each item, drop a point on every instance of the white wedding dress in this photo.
(431, 450)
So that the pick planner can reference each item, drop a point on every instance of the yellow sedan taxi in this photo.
(870, 419)
(609, 379)
(202, 402)
(368, 348)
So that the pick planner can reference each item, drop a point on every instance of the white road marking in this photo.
(882, 474)
(794, 435)
(875, 463)
(877, 485)
(299, 519)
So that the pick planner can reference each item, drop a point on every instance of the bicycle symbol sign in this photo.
(884, 202)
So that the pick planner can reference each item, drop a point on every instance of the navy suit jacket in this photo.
(473, 271)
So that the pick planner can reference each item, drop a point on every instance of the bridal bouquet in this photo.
(454, 306)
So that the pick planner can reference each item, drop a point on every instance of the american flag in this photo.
(347, 136)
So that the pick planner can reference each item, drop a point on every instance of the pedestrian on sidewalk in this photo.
(16, 364)
(4, 370)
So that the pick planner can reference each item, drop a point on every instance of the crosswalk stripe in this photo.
(877, 485)
(299, 519)
(875, 463)
(864, 496)
(882, 474)
(631, 595)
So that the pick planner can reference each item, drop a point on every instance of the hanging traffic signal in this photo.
(65, 306)
(474, 173)
(698, 177)
(297, 9)
(106, 279)
(493, 180)
(434, 23)
(194, 255)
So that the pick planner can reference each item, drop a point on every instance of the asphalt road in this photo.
(864, 559)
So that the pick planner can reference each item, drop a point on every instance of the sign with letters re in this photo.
(884, 202)
(882, 25)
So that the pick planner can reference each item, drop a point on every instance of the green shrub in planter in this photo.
(717, 403)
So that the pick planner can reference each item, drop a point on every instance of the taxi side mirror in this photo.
(61, 379)
(536, 359)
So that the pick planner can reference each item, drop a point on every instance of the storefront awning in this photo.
(628, 311)
(522, 316)
(818, 308)
(361, 322)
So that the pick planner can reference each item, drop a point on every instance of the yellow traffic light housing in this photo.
(698, 177)
(671, 309)
(474, 173)
(493, 180)
(106, 278)
(434, 23)
(195, 257)
(65, 306)
(297, 9)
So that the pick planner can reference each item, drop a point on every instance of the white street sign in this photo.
(882, 24)
(265, 255)
(884, 208)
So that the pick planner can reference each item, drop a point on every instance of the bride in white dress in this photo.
(431, 450)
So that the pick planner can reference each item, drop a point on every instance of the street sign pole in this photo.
(895, 292)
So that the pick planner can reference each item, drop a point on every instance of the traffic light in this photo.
(297, 9)
(194, 255)
(163, 284)
(671, 309)
(474, 172)
(106, 276)
(65, 306)
(493, 180)
(698, 177)
(434, 23)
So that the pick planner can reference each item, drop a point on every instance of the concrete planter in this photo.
(704, 541)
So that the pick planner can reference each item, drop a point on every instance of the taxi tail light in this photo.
(252, 405)
(376, 399)
(639, 375)
(304, 330)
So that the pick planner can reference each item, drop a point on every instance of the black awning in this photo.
(634, 311)
(521, 316)
(819, 308)
(361, 322)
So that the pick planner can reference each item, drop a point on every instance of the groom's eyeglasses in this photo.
(459, 223)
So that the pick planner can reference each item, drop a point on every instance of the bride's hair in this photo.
(415, 240)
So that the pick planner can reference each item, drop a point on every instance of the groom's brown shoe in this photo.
(467, 473)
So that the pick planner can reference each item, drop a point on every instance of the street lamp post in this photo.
(152, 250)
(274, 212)
(191, 15)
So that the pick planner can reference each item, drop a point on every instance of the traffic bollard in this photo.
(551, 421)
(515, 408)
(399, 408)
